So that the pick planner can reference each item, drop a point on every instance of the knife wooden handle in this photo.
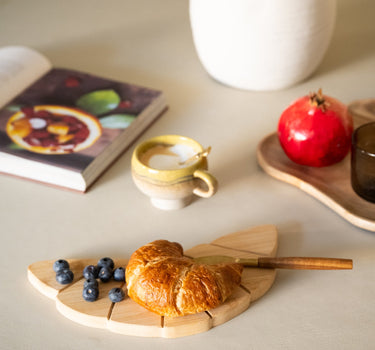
(304, 263)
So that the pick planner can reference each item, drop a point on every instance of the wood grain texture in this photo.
(129, 318)
(305, 263)
(257, 281)
(242, 241)
(132, 319)
(43, 278)
(331, 185)
(93, 314)
(237, 303)
(175, 327)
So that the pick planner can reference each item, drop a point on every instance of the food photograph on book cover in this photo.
(67, 118)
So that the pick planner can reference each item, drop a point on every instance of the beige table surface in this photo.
(150, 43)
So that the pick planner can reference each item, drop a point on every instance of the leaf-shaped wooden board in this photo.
(330, 185)
(129, 318)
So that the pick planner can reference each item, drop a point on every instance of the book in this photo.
(63, 127)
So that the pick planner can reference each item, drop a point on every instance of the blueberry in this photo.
(90, 293)
(119, 274)
(105, 274)
(91, 282)
(60, 265)
(65, 276)
(116, 295)
(106, 262)
(90, 272)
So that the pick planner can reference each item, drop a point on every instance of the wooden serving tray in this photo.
(129, 318)
(331, 185)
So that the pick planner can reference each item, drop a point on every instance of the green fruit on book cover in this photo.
(99, 102)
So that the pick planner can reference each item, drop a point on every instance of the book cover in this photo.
(75, 122)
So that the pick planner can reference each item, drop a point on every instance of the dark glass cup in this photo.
(363, 161)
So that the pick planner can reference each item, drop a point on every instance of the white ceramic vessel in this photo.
(261, 45)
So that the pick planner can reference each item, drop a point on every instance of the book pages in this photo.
(19, 67)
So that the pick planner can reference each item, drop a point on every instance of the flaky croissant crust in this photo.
(160, 278)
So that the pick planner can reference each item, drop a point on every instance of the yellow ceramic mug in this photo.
(171, 169)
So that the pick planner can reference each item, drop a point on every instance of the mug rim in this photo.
(163, 139)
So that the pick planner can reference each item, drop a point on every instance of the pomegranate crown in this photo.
(317, 99)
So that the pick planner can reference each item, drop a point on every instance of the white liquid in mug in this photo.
(167, 157)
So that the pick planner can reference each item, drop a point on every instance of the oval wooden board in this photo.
(330, 185)
(129, 318)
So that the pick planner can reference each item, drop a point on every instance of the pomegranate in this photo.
(316, 130)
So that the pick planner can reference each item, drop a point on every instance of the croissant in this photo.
(163, 280)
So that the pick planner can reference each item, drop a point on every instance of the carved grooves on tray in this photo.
(125, 289)
(245, 289)
(239, 250)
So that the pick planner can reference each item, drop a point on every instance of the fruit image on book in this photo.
(71, 124)
(53, 129)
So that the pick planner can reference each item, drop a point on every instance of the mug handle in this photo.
(210, 181)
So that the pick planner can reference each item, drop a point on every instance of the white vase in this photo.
(261, 44)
